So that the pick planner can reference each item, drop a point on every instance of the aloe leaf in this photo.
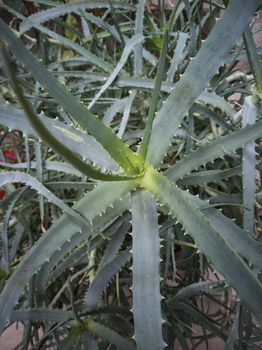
(114, 245)
(93, 204)
(198, 74)
(4, 231)
(56, 266)
(48, 165)
(146, 280)
(253, 58)
(103, 278)
(43, 16)
(12, 177)
(130, 43)
(59, 146)
(208, 152)
(250, 111)
(233, 234)
(54, 262)
(78, 141)
(203, 177)
(107, 334)
(208, 238)
(89, 56)
(177, 56)
(51, 315)
(155, 98)
(118, 106)
(148, 84)
(126, 115)
(138, 51)
(206, 111)
(101, 23)
(115, 147)
(194, 289)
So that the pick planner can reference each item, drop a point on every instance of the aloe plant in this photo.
(125, 183)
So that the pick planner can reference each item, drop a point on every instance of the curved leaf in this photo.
(208, 238)
(103, 277)
(11, 177)
(197, 75)
(93, 204)
(44, 16)
(115, 147)
(216, 149)
(77, 140)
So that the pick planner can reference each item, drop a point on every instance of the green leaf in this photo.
(138, 51)
(208, 238)
(51, 315)
(130, 43)
(93, 204)
(155, 98)
(198, 74)
(59, 146)
(103, 277)
(115, 147)
(109, 335)
(12, 177)
(208, 152)
(231, 233)
(203, 177)
(250, 111)
(77, 140)
(43, 16)
(146, 280)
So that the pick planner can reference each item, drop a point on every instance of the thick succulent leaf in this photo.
(48, 165)
(5, 254)
(208, 152)
(253, 58)
(203, 177)
(198, 74)
(118, 106)
(78, 141)
(89, 56)
(177, 56)
(138, 52)
(206, 112)
(45, 273)
(114, 245)
(44, 16)
(148, 84)
(115, 147)
(109, 335)
(51, 315)
(233, 234)
(12, 177)
(146, 279)
(126, 115)
(93, 204)
(208, 238)
(195, 289)
(100, 23)
(154, 98)
(249, 166)
(103, 278)
(130, 43)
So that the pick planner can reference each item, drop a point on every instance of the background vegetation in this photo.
(130, 180)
